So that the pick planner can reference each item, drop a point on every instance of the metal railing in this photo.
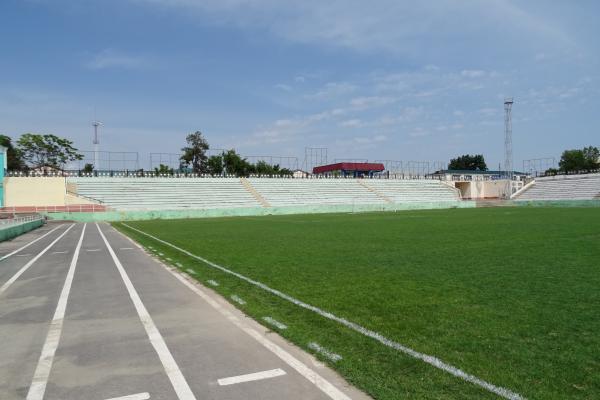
(14, 221)
(67, 208)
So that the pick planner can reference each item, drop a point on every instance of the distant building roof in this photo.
(348, 166)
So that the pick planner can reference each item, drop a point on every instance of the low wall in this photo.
(16, 230)
(556, 203)
(255, 211)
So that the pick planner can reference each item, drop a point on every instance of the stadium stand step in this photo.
(254, 193)
(381, 195)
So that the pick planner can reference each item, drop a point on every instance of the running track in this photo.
(86, 314)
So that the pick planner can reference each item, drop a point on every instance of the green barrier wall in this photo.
(16, 230)
(238, 212)
(556, 203)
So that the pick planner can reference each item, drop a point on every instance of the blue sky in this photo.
(373, 80)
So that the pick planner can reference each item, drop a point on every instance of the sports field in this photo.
(507, 300)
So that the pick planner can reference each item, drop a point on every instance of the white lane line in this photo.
(238, 299)
(126, 248)
(171, 368)
(29, 244)
(311, 375)
(23, 255)
(30, 263)
(92, 250)
(431, 360)
(324, 352)
(257, 376)
(59, 252)
(137, 396)
(42, 371)
(274, 322)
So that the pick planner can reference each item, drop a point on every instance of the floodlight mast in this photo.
(96, 143)
(508, 147)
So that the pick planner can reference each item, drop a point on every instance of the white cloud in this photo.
(472, 73)
(333, 89)
(284, 87)
(351, 123)
(365, 102)
(387, 25)
(110, 58)
(418, 132)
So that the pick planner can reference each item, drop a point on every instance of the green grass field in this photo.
(509, 295)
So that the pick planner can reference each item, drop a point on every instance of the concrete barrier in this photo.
(11, 231)
(253, 211)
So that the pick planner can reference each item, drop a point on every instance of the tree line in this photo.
(571, 161)
(46, 151)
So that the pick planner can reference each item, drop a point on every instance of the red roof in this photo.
(348, 166)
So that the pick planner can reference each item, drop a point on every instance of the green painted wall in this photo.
(238, 212)
(16, 230)
(556, 203)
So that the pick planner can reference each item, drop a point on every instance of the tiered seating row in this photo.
(166, 193)
(580, 187)
(400, 191)
(291, 192)
(207, 193)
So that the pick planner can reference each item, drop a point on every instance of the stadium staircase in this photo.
(563, 187)
(129, 193)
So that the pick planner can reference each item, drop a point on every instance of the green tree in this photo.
(46, 150)
(234, 164)
(194, 153)
(163, 169)
(14, 162)
(468, 162)
(592, 157)
(580, 160)
(88, 168)
(215, 165)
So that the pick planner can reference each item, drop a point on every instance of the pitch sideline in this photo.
(431, 360)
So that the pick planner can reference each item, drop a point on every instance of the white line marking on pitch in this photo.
(42, 371)
(431, 360)
(171, 368)
(324, 352)
(312, 376)
(256, 376)
(274, 322)
(238, 299)
(29, 244)
(30, 263)
(137, 396)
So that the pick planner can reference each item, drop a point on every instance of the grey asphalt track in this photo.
(158, 337)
